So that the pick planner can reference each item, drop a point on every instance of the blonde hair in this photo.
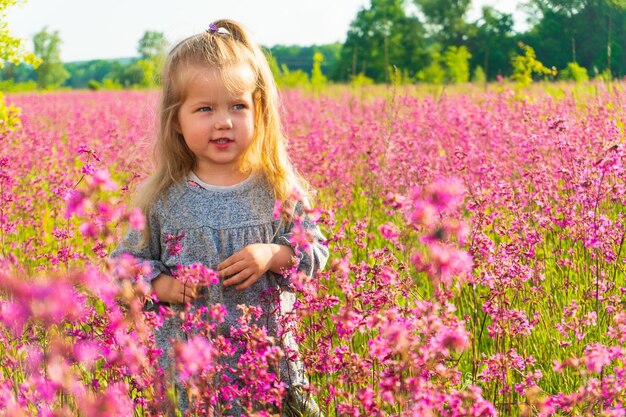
(225, 45)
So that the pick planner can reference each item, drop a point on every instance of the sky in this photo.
(99, 29)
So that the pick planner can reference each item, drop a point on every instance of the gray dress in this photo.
(217, 222)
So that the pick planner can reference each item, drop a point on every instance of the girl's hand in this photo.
(249, 264)
(170, 290)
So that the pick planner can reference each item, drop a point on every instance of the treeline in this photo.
(436, 43)
(573, 38)
(51, 73)
(292, 64)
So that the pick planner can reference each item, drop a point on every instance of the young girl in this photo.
(221, 166)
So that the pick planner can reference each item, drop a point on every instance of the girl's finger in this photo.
(232, 269)
(240, 277)
(247, 283)
(228, 261)
(188, 292)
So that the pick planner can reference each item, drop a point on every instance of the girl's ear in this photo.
(176, 125)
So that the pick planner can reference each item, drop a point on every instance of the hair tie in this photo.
(219, 30)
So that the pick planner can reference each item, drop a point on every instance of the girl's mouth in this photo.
(221, 141)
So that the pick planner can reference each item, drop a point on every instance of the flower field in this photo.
(477, 259)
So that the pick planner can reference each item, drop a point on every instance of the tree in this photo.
(574, 72)
(12, 50)
(379, 38)
(613, 7)
(129, 75)
(563, 11)
(318, 80)
(591, 33)
(527, 65)
(51, 72)
(493, 43)
(152, 50)
(152, 44)
(457, 64)
(434, 73)
(446, 20)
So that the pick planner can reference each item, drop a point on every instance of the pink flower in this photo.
(446, 194)
(389, 231)
(197, 274)
(75, 204)
(102, 178)
(300, 238)
(115, 401)
(14, 316)
(278, 209)
(136, 219)
(87, 352)
(193, 356)
(218, 313)
(88, 169)
(598, 357)
(89, 229)
(451, 339)
(173, 242)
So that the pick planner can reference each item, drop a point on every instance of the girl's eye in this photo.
(239, 106)
(204, 109)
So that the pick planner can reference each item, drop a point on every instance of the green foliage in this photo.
(150, 68)
(110, 84)
(479, 75)
(106, 84)
(152, 50)
(361, 80)
(434, 73)
(10, 86)
(51, 73)
(574, 72)
(446, 20)
(9, 116)
(293, 79)
(604, 76)
(527, 65)
(456, 60)
(301, 57)
(273, 64)
(590, 33)
(399, 77)
(18, 72)
(124, 71)
(12, 49)
(131, 75)
(318, 80)
(152, 44)
(82, 72)
(380, 37)
(492, 43)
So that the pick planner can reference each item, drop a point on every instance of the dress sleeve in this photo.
(306, 240)
(150, 254)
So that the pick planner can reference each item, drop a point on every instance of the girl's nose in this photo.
(224, 123)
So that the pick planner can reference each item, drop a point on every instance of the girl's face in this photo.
(216, 122)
